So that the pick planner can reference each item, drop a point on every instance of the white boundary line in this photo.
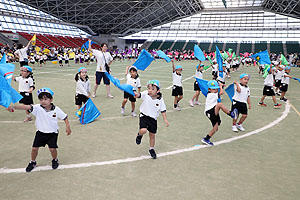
(126, 160)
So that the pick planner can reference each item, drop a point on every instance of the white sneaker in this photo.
(197, 103)
(133, 114)
(94, 95)
(234, 129)
(122, 111)
(177, 108)
(110, 96)
(240, 127)
(191, 103)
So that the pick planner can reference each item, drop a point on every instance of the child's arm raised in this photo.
(221, 89)
(238, 89)
(164, 115)
(173, 65)
(68, 129)
(126, 71)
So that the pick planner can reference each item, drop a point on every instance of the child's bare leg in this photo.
(274, 99)
(219, 107)
(214, 130)
(152, 140)
(124, 103)
(179, 98)
(142, 131)
(132, 106)
(53, 153)
(244, 116)
(263, 98)
(196, 96)
(95, 89)
(34, 153)
(175, 100)
(282, 94)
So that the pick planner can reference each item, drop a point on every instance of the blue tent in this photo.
(88, 112)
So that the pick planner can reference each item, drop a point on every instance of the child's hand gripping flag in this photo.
(262, 57)
(88, 112)
(8, 94)
(198, 53)
(161, 54)
(144, 60)
(124, 87)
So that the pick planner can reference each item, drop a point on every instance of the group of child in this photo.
(47, 114)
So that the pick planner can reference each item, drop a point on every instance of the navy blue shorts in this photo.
(99, 76)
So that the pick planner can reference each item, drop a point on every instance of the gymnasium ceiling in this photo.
(125, 17)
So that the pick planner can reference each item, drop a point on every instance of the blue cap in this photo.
(224, 65)
(287, 67)
(213, 84)
(154, 82)
(48, 90)
(82, 69)
(178, 67)
(27, 68)
(200, 66)
(243, 75)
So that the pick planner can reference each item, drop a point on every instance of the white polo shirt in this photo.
(243, 95)
(279, 75)
(101, 58)
(285, 80)
(134, 82)
(211, 101)
(199, 74)
(22, 53)
(215, 67)
(47, 121)
(83, 87)
(177, 79)
(269, 80)
(152, 107)
(24, 83)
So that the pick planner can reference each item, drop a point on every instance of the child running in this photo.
(83, 87)
(285, 83)
(152, 104)
(26, 86)
(177, 90)
(239, 101)
(133, 80)
(278, 77)
(47, 115)
(199, 74)
(213, 107)
(268, 89)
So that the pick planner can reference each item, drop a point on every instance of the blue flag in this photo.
(198, 53)
(88, 112)
(144, 60)
(85, 46)
(203, 86)
(8, 94)
(262, 57)
(230, 91)
(219, 61)
(297, 79)
(161, 54)
(124, 87)
(3, 59)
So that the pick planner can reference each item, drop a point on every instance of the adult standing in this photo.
(21, 53)
(104, 60)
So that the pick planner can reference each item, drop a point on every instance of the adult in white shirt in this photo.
(21, 53)
(104, 59)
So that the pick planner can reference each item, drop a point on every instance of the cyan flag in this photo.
(161, 54)
(203, 86)
(230, 91)
(85, 46)
(124, 87)
(262, 57)
(144, 60)
(198, 53)
(219, 61)
(88, 112)
(297, 79)
(8, 94)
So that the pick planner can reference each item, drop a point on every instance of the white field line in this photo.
(126, 160)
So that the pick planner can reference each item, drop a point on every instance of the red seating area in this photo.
(44, 40)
